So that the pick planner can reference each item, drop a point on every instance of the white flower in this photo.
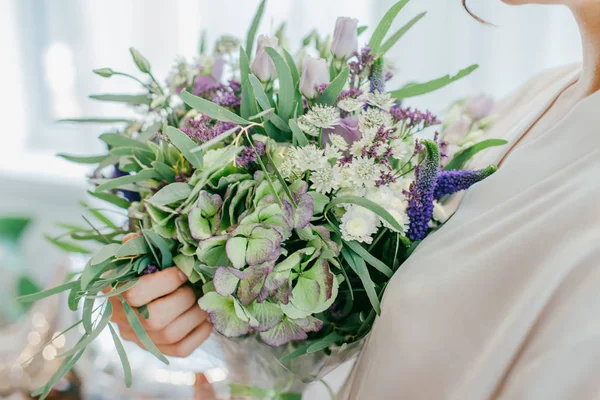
(332, 152)
(392, 201)
(315, 72)
(262, 65)
(359, 224)
(439, 213)
(310, 158)
(357, 148)
(323, 116)
(326, 179)
(403, 148)
(345, 38)
(338, 141)
(364, 172)
(373, 118)
(307, 126)
(382, 100)
(350, 104)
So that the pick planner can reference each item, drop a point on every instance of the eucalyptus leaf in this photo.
(330, 95)
(48, 292)
(384, 26)
(418, 89)
(250, 39)
(359, 267)
(211, 109)
(114, 199)
(388, 44)
(98, 120)
(65, 367)
(141, 334)
(117, 183)
(133, 247)
(122, 356)
(69, 247)
(89, 338)
(83, 159)
(461, 158)
(299, 136)
(170, 194)
(286, 84)
(166, 172)
(325, 342)
(88, 306)
(162, 245)
(134, 99)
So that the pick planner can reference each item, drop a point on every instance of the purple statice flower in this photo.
(354, 93)
(449, 182)
(226, 95)
(421, 192)
(248, 157)
(321, 88)
(361, 64)
(202, 130)
(150, 269)
(377, 77)
(414, 118)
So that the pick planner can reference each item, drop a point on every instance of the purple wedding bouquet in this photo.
(289, 192)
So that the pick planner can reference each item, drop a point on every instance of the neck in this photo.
(587, 14)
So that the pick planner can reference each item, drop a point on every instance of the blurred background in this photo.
(48, 49)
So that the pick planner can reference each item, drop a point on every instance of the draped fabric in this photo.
(503, 302)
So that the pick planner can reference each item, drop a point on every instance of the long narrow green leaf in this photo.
(163, 247)
(139, 331)
(48, 292)
(324, 342)
(166, 172)
(114, 199)
(369, 258)
(263, 101)
(332, 92)
(461, 158)
(293, 68)
(388, 44)
(185, 145)
(117, 183)
(69, 247)
(134, 99)
(92, 120)
(83, 159)
(217, 139)
(122, 356)
(418, 89)
(89, 338)
(65, 367)
(132, 247)
(88, 306)
(286, 84)
(296, 353)
(171, 193)
(357, 265)
(115, 291)
(298, 134)
(250, 38)
(211, 109)
(116, 140)
(384, 26)
(248, 105)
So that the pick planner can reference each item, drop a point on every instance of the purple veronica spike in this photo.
(377, 77)
(421, 191)
(449, 182)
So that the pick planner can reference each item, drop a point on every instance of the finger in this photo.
(153, 286)
(203, 389)
(165, 310)
(190, 343)
(180, 327)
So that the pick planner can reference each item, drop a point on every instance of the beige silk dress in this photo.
(503, 302)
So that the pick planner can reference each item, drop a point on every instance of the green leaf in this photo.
(65, 367)
(166, 172)
(49, 292)
(143, 311)
(388, 44)
(89, 338)
(171, 193)
(135, 99)
(116, 140)
(98, 120)
(324, 342)
(461, 158)
(293, 69)
(116, 290)
(369, 258)
(104, 254)
(248, 105)
(122, 356)
(296, 353)
(83, 159)
(384, 25)
(418, 89)
(265, 115)
(185, 145)
(111, 198)
(263, 101)
(250, 38)
(88, 306)
(359, 267)
(286, 84)
(141, 334)
(163, 247)
(133, 247)
(332, 92)
(211, 109)
(360, 30)
(299, 136)
(70, 247)
(117, 183)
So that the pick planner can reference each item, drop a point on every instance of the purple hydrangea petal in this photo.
(282, 333)
(267, 314)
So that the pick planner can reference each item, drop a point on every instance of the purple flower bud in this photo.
(315, 72)
(479, 107)
(347, 128)
(263, 66)
(345, 38)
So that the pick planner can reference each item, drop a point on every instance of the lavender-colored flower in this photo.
(421, 192)
(449, 182)
(479, 107)
(377, 77)
(248, 157)
(414, 118)
(315, 72)
(348, 128)
(353, 93)
(361, 65)
(263, 66)
(345, 38)
(202, 130)
(150, 269)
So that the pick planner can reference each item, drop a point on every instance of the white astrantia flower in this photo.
(332, 152)
(364, 172)
(357, 147)
(403, 149)
(310, 158)
(392, 201)
(373, 118)
(323, 116)
(359, 224)
(307, 126)
(350, 104)
(338, 141)
(326, 179)
(383, 101)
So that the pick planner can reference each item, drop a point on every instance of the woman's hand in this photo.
(176, 325)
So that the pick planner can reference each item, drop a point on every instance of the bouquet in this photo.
(288, 192)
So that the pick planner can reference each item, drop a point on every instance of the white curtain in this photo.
(50, 46)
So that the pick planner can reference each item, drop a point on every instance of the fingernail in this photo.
(182, 276)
